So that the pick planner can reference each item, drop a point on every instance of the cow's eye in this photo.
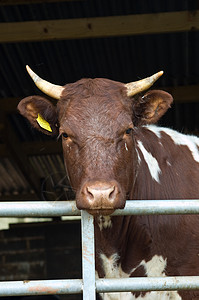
(128, 131)
(65, 135)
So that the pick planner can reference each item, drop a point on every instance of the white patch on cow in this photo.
(168, 163)
(192, 142)
(118, 296)
(156, 130)
(138, 156)
(185, 140)
(152, 163)
(126, 147)
(156, 268)
(104, 222)
(113, 270)
(153, 268)
(111, 267)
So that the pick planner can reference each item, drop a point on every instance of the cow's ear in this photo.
(41, 113)
(150, 108)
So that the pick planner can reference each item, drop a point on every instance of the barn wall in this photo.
(48, 250)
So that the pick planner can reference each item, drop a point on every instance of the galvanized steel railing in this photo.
(88, 285)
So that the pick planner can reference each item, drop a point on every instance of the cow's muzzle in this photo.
(100, 197)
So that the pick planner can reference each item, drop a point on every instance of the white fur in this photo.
(104, 222)
(152, 163)
(168, 163)
(155, 129)
(113, 270)
(138, 156)
(192, 142)
(111, 267)
(126, 147)
(154, 268)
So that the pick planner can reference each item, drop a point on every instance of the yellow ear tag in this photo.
(43, 123)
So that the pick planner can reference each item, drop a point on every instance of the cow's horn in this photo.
(46, 87)
(142, 85)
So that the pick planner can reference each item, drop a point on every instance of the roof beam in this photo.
(181, 94)
(97, 27)
(10, 104)
(42, 148)
(35, 148)
(187, 93)
(184, 94)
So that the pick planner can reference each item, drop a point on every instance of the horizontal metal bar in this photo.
(68, 208)
(43, 287)
(75, 286)
(163, 207)
(148, 284)
(38, 209)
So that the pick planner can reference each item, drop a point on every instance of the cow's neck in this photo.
(162, 171)
(124, 244)
(123, 248)
(119, 239)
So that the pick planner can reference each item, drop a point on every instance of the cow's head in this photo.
(96, 119)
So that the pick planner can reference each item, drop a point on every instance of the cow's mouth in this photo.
(100, 197)
(103, 212)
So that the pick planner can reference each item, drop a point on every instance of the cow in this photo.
(113, 152)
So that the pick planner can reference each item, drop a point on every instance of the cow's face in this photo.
(96, 127)
(96, 123)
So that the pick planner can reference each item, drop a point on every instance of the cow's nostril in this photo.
(100, 196)
(100, 193)
(112, 194)
(89, 193)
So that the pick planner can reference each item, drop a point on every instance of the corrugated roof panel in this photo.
(12, 181)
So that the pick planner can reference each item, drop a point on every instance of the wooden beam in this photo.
(35, 148)
(99, 27)
(184, 94)
(42, 148)
(10, 104)
(189, 93)
(181, 94)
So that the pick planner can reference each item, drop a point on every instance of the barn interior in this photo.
(63, 41)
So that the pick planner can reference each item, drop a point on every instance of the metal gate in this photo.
(88, 285)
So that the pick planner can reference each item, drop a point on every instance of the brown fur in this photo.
(98, 148)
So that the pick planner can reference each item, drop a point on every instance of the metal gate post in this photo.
(88, 256)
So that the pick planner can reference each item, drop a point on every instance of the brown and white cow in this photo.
(113, 152)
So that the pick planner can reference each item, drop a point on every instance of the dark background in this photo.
(63, 41)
